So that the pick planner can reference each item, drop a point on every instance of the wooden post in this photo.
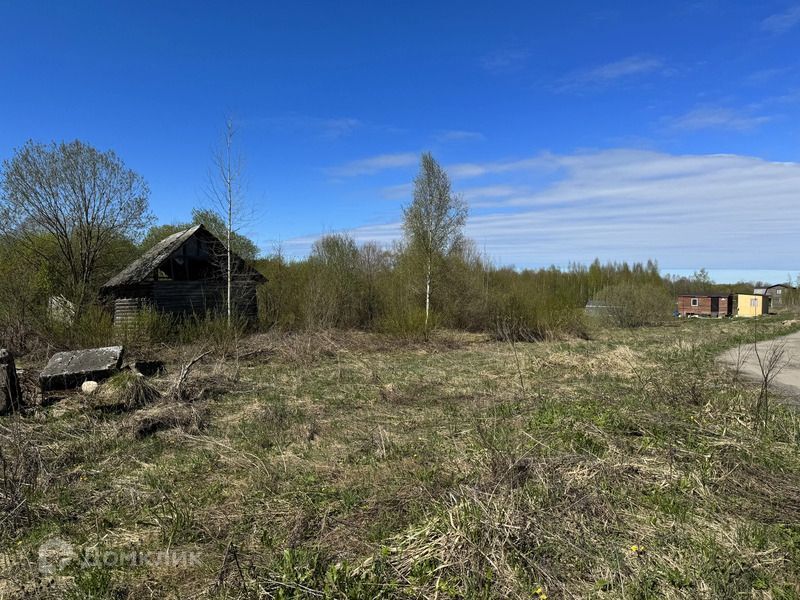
(10, 394)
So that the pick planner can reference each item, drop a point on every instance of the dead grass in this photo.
(22, 472)
(128, 391)
(344, 465)
(167, 414)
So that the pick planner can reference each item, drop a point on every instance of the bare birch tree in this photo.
(227, 195)
(771, 362)
(434, 221)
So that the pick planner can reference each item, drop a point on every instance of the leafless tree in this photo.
(434, 221)
(771, 361)
(72, 201)
(178, 388)
(226, 192)
(739, 358)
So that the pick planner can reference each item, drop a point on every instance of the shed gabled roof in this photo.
(142, 268)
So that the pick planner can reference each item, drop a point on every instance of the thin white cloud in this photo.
(326, 128)
(336, 128)
(782, 22)
(401, 191)
(469, 170)
(374, 164)
(763, 76)
(687, 211)
(473, 195)
(459, 135)
(717, 118)
(490, 191)
(608, 73)
(506, 60)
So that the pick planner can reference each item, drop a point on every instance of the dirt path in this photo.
(787, 381)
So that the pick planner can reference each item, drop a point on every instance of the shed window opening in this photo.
(695, 302)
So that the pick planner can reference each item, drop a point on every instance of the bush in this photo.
(629, 304)
(280, 300)
(406, 322)
(211, 329)
(93, 328)
(148, 326)
(524, 315)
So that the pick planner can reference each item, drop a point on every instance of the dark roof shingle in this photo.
(143, 267)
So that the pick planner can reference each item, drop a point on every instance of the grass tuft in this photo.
(131, 390)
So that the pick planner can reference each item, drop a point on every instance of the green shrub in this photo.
(524, 314)
(148, 326)
(406, 322)
(279, 300)
(93, 328)
(211, 329)
(629, 304)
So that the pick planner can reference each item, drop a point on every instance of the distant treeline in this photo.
(342, 284)
(74, 216)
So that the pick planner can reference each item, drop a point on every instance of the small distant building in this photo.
(775, 292)
(183, 274)
(705, 305)
(752, 305)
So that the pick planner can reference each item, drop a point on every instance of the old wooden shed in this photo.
(776, 293)
(705, 305)
(183, 274)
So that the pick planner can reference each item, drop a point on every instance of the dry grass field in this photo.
(351, 465)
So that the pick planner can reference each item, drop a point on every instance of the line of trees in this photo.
(346, 285)
(435, 276)
(71, 216)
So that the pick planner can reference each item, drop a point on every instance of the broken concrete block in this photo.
(10, 393)
(70, 369)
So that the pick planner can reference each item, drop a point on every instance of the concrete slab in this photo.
(788, 379)
(70, 369)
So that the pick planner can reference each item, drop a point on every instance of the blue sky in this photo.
(575, 130)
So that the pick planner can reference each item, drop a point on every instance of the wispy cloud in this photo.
(632, 205)
(783, 21)
(336, 128)
(326, 128)
(506, 60)
(374, 164)
(458, 135)
(717, 118)
(469, 170)
(606, 74)
(763, 76)
(490, 191)
(401, 191)
(476, 196)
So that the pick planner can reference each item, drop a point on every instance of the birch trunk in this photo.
(230, 228)
(427, 294)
